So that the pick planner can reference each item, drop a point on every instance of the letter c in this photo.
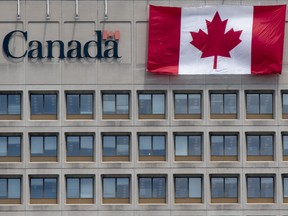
(6, 41)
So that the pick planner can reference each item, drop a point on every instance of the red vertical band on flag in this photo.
(164, 42)
(268, 39)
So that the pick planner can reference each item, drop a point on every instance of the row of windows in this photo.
(151, 105)
(151, 147)
(151, 189)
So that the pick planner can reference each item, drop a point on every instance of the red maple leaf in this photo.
(216, 42)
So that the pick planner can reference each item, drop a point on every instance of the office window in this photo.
(115, 105)
(43, 106)
(151, 105)
(10, 106)
(116, 190)
(224, 147)
(285, 105)
(152, 147)
(223, 105)
(152, 189)
(80, 148)
(188, 147)
(260, 148)
(80, 190)
(10, 148)
(285, 146)
(43, 148)
(10, 190)
(116, 147)
(43, 190)
(285, 189)
(188, 189)
(79, 106)
(259, 105)
(187, 105)
(224, 189)
(260, 189)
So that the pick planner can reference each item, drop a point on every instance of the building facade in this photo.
(90, 134)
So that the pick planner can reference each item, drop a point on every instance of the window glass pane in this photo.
(36, 104)
(194, 103)
(50, 188)
(159, 145)
(14, 146)
(50, 145)
(253, 187)
(252, 103)
(86, 188)
(86, 106)
(123, 188)
(217, 190)
(231, 187)
(3, 188)
(14, 103)
(37, 145)
(181, 105)
(266, 145)
(159, 188)
(195, 188)
(217, 103)
(284, 103)
(73, 106)
(3, 105)
(122, 104)
(181, 147)
(231, 145)
(86, 145)
(145, 104)
(73, 190)
(181, 187)
(266, 103)
(145, 187)
(158, 104)
(36, 188)
(109, 146)
(267, 188)
(109, 190)
(3, 146)
(122, 145)
(285, 187)
(253, 145)
(285, 144)
(14, 188)
(217, 145)
(73, 146)
(145, 145)
(109, 104)
(50, 104)
(230, 104)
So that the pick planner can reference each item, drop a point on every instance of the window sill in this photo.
(80, 117)
(116, 201)
(187, 116)
(260, 158)
(223, 116)
(10, 117)
(151, 116)
(188, 158)
(152, 158)
(260, 200)
(43, 201)
(115, 158)
(43, 159)
(79, 201)
(10, 201)
(224, 200)
(152, 200)
(43, 117)
(8, 159)
(224, 158)
(188, 200)
(259, 116)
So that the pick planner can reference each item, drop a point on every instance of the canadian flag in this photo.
(216, 39)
